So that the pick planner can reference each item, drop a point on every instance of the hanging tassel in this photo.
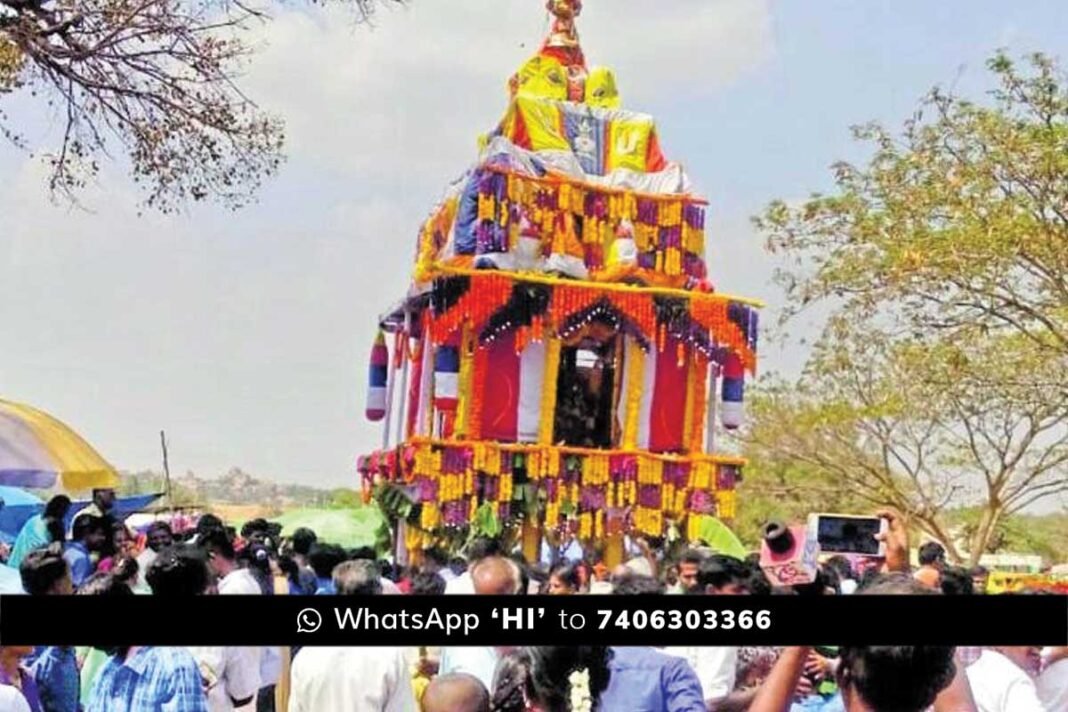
(378, 377)
(732, 410)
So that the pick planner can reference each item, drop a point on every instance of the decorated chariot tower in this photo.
(562, 357)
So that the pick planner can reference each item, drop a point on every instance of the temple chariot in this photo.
(562, 358)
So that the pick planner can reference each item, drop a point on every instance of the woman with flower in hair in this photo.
(551, 679)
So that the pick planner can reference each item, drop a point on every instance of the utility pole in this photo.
(166, 471)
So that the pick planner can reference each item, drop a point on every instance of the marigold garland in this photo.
(691, 404)
(489, 292)
(669, 228)
(547, 415)
(726, 501)
(432, 237)
(465, 380)
(635, 384)
(452, 477)
(699, 394)
(474, 415)
(693, 527)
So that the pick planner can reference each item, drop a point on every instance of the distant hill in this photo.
(234, 488)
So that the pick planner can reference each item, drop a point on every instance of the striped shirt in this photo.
(149, 680)
(56, 673)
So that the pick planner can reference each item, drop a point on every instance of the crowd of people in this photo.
(100, 556)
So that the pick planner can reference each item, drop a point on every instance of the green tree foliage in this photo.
(1045, 535)
(924, 428)
(786, 489)
(939, 379)
(343, 498)
(960, 220)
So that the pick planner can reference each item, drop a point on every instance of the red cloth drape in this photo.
(500, 393)
(668, 412)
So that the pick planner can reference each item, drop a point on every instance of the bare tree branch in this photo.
(156, 77)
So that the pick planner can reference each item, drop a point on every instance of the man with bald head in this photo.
(458, 692)
(497, 576)
(492, 576)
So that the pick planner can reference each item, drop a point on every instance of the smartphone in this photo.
(848, 534)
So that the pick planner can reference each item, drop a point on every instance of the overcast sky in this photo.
(245, 335)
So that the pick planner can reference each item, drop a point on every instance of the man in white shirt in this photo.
(352, 679)
(232, 579)
(1000, 680)
(716, 668)
(478, 550)
(494, 576)
(1053, 682)
(231, 676)
(236, 668)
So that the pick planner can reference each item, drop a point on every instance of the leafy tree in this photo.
(784, 489)
(1046, 535)
(156, 78)
(939, 379)
(960, 220)
(923, 428)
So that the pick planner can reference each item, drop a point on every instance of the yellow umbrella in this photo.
(36, 450)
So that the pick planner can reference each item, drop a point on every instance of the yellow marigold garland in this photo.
(547, 417)
(727, 501)
(632, 412)
(494, 459)
(465, 378)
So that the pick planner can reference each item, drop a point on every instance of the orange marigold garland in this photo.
(699, 393)
(478, 386)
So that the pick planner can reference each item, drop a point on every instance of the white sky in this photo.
(245, 335)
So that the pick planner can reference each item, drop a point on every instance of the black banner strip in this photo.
(534, 620)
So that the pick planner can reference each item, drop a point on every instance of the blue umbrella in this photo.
(19, 506)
